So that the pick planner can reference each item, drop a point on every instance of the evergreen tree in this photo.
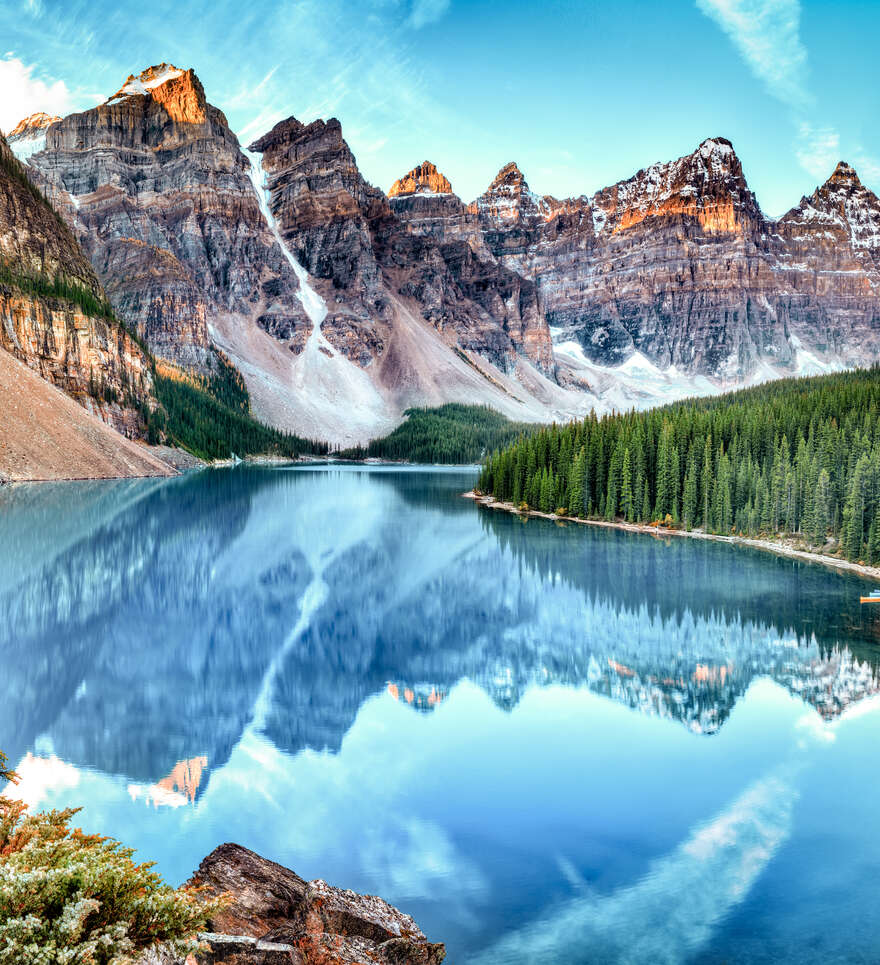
(689, 502)
(627, 500)
(800, 456)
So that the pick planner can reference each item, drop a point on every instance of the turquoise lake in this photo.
(546, 742)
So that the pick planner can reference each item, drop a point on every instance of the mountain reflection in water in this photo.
(234, 639)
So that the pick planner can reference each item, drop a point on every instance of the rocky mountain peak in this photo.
(29, 125)
(29, 135)
(707, 185)
(719, 146)
(283, 133)
(844, 174)
(509, 198)
(147, 80)
(843, 206)
(423, 179)
(509, 177)
(179, 92)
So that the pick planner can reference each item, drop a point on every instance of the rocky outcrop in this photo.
(678, 263)
(323, 208)
(829, 266)
(52, 308)
(29, 135)
(158, 191)
(45, 435)
(424, 200)
(419, 244)
(276, 916)
(423, 179)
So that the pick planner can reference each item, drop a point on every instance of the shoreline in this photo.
(767, 545)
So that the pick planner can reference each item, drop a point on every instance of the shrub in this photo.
(67, 897)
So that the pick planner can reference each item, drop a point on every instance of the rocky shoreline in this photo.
(277, 917)
(769, 545)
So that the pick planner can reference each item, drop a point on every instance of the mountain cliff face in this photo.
(342, 305)
(29, 135)
(337, 311)
(51, 314)
(679, 264)
(829, 265)
(372, 248)
(158, 191)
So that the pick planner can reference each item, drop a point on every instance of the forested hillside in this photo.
(800, 456)
(453, 434)
(211, 418)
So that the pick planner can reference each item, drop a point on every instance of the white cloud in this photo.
(24, 93)
(868, 168)
(818, 149)
(427, 11)
(674, 909)
(767, 35)
(41, 777)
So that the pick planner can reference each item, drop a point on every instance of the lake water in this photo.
(547, 742)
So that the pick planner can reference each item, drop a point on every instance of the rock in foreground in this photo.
(277, 917)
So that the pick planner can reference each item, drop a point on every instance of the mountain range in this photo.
(342, 305)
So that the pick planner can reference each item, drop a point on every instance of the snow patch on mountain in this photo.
(334, 395)
(25, 147)
(147, 80)
(636, 384)
(28, 137)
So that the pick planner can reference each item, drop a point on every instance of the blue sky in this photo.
(580, 94)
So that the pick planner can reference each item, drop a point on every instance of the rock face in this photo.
(50, 308)
(342, 306)
(829, 263)
(423, 179)
(29, 135)
(158, 191)
(276, 916)
(418, 245)
(45, 435)
(678, 263)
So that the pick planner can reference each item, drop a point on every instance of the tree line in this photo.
(452, 434)
(799, 457)
(189, 416)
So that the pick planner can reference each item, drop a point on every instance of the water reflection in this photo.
(400, 668)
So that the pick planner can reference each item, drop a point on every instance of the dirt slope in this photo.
(44, 434)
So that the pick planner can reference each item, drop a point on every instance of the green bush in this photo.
(67, 897)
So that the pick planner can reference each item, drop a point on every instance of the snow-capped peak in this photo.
(844, 174)
(35, 122)
(842, 204)
(28, 137)
(716, 145)
(147, 80)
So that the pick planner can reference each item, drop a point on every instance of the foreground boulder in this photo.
(276, 917)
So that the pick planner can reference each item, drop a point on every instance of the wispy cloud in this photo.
(427, 11)
(673, 911)
(867, 166)
(818, 149)
(26, 92)
(767, 35)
